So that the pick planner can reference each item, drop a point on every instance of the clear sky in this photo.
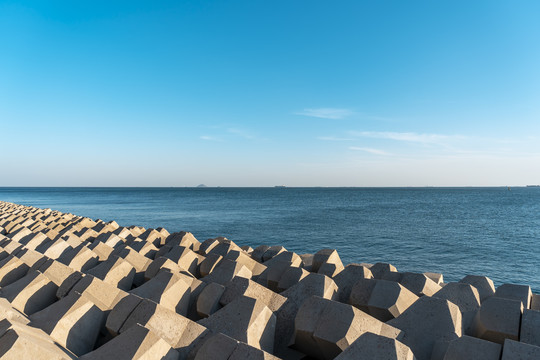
(264, 93)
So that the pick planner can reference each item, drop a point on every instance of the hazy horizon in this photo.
(253, 94)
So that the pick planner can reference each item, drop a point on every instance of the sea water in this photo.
(454, 231)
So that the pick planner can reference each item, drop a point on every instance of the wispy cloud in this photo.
(209, 138)
(325, 113)
(407, 136)
(241, 133)
(369, 150)
(333, 138)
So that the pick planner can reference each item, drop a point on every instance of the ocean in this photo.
(453, 231)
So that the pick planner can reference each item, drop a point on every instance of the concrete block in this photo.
(372, 346)
(135, 343)
(239, 287)
(185, 258)
(498, 319)
(247, 249)
(11, 314)
(178, 331)
(466, 297)
(530, 327)
(291, 277)
(226, 271)
(272, 251)
(346, 279)
(223, 247)
(389, 300)
(330, 270)
(513, 350)
(120, 313)
(307, 261)
(139, 262)
(185, 239)
(361, 292)
(56, 249)
(59, 274)
(436, 277)
(467, 347)
(378, 270)
(419, 284)
(168, 290)
(102, 250)
(245, 319)
(223, 347)
(31, 293)
(18, 341)
(483, 284)
(19, 234)
(522, 293)
(11, 270)
(80, 258)
(74, 322)
(426, 321)
(208, 299)
(240, 257)
(115, 271)
(161, 263)
(535, 302)
(105, 296)
(258, 253)
(144, 248)
(34, 240)
(208, 264)
(329, 256)
(324, 328)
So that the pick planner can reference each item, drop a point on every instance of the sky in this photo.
(264, 93)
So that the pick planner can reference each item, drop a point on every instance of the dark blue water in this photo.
(455, 231)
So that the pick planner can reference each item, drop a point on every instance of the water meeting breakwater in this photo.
(74, 287)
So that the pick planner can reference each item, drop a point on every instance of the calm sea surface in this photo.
(455, 231)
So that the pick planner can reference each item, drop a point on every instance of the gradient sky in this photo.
(263, 93)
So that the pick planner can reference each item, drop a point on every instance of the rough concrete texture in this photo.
(371, 346)
(223, 347)
(517, 292)
(513, 350)
(466, 297)
(208, 299)
(346, 279)
(245, 319)
(498, 319)
(326, 256)
(427, 321)
(324, 328)
(468, 347)
(483, 284)
(530, 327)
(389, 299)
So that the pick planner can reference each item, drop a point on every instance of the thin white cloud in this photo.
(325, 113)
(241, 133)
(333, 138)
(369, 150)
(407, 136)
(209, 138)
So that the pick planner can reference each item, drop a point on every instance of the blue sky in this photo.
(253, 93)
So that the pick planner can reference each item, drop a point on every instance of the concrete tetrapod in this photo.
(471, 348)
(483, 284)
(245, 319)
(427, 321)
(324, 328)
(522, 293)
(137, 343)
(371, 346)
(346, 279)
(466, 297)
(498, 319)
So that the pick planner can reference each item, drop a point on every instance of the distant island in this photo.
(201, 186)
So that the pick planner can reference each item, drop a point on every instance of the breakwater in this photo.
(75, 287)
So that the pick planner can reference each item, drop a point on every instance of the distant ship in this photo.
(280, 186)
(533, 185)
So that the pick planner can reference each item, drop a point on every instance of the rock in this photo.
(530, 327)
(483, 284)
(31, 293)
(346, 279)
(208, 300)
(324, 328)
(427, 321)
(327, 256)
(517, 292)
(74, 322)
(498, 319)
(168, 290)
(245, 319)
(513, 350)
(467, 347)
(137, 342)
(466, 297)
(115, 271)
(370, 346)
